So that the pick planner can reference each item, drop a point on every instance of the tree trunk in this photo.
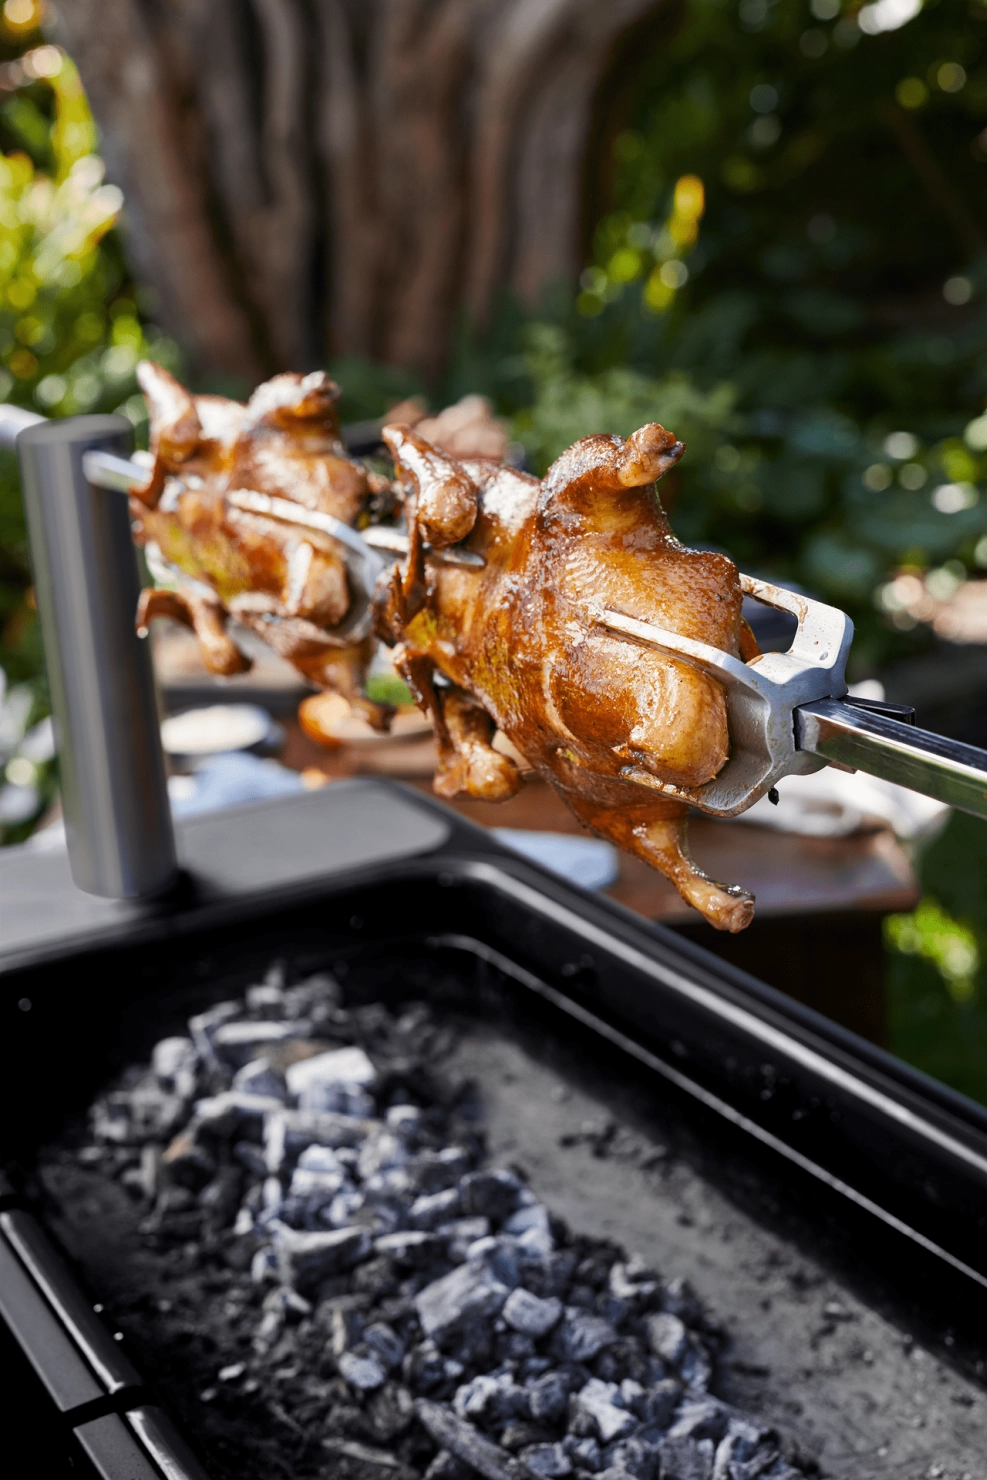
(313, 177)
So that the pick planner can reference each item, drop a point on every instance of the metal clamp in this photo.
(761, 696)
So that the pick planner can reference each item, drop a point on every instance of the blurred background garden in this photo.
(777, 247)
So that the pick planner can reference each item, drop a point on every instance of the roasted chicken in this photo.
(285, 581)
(501, 634)
(512, 642)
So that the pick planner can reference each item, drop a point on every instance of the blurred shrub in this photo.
(789, 258)
(566, 405)
(937, 963)
(369, 390)
(71, 332)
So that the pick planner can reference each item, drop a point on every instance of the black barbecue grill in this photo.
(842, 1147)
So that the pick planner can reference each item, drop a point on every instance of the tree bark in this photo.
(313, 177)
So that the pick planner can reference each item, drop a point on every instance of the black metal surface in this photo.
(104, 1424)
(42, 1337)
(55, 1452)
(250, 859)
(115, 1452)
(892, 1164)
(51, 1276)
(160, 1439)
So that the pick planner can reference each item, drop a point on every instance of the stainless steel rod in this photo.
(945, 769)
(14, 419)
(119, 474)
(114, 793)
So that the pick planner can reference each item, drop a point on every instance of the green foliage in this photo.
(369, 390)
(935, 936)
(566, 405)
(944, 1038)
(388, 688)
(829, 291)
(937, 962)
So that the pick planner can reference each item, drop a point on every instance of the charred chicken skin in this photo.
(286, 582)
(513, 644)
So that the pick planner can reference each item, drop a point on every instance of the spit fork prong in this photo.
(787, 716)
(761, 695)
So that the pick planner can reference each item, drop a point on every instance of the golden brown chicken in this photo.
(231, 556)
(285, 581)
(514, 644)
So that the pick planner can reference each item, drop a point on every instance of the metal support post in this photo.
(114, 792)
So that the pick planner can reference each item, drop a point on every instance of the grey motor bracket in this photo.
(761, 696)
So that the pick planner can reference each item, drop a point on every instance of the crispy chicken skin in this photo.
(515, 646)
(286, 582)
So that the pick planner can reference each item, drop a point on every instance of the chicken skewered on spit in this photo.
(563, 612)
(514, 645)
(210, 509)
(250, 511)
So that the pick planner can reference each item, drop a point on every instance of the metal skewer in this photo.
(122, 476)
(945, 769)
(788, 714)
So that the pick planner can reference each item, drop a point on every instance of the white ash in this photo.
(417, 1312)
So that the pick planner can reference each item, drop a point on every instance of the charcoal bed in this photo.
(826, 1204)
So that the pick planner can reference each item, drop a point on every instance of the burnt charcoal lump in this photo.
(380, 1303)
(546, 1461)
(353, 1461)
(492, 1195)
(548, 1397)
(529, 1314)
(582, 1337)
(305, 1259)
(462, 1440)
(686, 1459)
(465, 1295)
(366, 1374)
(603, 1404)
(446, 1466)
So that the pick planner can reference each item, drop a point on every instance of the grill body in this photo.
(885, 1168)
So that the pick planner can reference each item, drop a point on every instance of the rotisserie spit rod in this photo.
(789, 713)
